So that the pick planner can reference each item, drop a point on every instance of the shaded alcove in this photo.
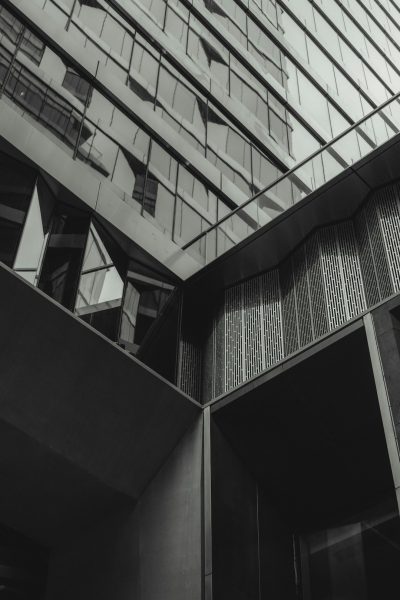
(303, 497)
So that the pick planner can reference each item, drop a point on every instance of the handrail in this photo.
(292, 170)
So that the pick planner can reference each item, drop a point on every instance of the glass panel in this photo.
(100, 289)
(44, 104)
(353, 560)
(143, 299)
(97, 150)
(10, 26)
(64, 254)
(188, 222)
(16, 189)
(35, 234)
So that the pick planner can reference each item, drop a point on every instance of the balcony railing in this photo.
(344, 150)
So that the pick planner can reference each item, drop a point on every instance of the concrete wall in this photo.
(151, 552)
(252, 545)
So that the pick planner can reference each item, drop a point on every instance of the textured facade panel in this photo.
(378, 247)
(251, 325)
(272, 317)
(351, 269)
(234, 356)
(299, 262)
(332, 277)
(367, 259)
(289, 310)
(219, 352)
(191, 368)
(389, 217)
(336, 274)
(253, 338)
(318, 300)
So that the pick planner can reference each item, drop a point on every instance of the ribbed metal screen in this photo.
(332, 277)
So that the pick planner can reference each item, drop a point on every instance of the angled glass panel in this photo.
(36, 230)
(101, 287)
(63, 257)
(16, 190)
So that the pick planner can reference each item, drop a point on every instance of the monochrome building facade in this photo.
(199, 400)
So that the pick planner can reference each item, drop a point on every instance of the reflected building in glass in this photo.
(200, 248)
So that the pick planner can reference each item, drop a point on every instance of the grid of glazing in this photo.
(258, 79)
(255, 34)
(171, 94)
(65, 252)
(331, 278)
(54, 95)
(300, 87)
(101, 140)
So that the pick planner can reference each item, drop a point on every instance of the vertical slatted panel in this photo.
(233, 337)
(272, 325)
(388, 210)
(333, 283)
(191, 368)
(299, 263)
(367, 260)
(378, 247)
(317, 293)
(289, 313)
(332, 277)
(252, 330)
(351, 269)
(219, 352)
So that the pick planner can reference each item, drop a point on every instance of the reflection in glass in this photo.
(100, 288)
(77, 85)
(10, 26)
(356, 560)
(64, 254)
(43, 104)
(143, 300)
(16, 189)
(35, 234)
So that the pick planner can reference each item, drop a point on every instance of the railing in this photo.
(344, 150)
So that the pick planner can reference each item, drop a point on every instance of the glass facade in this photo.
(206, 107)
(66, 253)
(194, 114)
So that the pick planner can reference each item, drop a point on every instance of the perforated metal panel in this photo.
(218, 375)
(378, 247)
(253, 328)
(289, 309)
(333, 280)
(234, 348)
(389, 218)
(191, 368)
(367, 260)
(272, 318)
(351, 269)
(253, 335)
(332, 277)
(302, 287)
(317, 294)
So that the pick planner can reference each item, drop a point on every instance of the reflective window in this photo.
(100, 290)
(176, 27)
(144, 298)
(77, 85)
(43, 104)
(64, 254)
(36, 229)
(356, 559)
(16, 190)
(156, 8)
